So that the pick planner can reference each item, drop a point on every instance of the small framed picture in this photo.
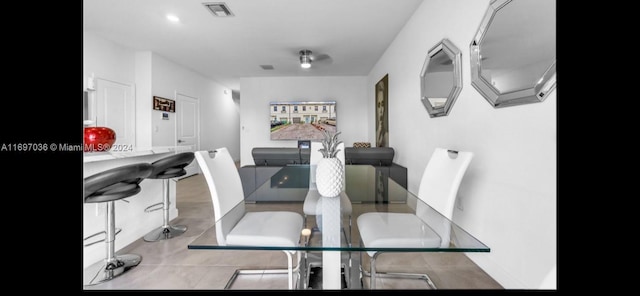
(162, 104)
(165, 116)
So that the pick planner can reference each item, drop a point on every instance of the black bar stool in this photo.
(108, 187)
(166, 168)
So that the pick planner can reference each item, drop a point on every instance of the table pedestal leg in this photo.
(331, 263)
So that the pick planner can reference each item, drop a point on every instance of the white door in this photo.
(187, 127)
(115, 109)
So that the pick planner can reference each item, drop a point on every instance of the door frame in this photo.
(175, 134)
(93, 104)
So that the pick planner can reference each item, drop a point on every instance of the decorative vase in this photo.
(329, 177)
(98, 138)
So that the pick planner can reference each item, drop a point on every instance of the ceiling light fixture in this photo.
(173, 18)
(305, 59)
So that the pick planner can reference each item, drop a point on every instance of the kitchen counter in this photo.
(127, 151)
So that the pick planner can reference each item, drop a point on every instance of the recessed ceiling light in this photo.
(173, 18)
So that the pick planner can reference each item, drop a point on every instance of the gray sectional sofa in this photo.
(268, 161)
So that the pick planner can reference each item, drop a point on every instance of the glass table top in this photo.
(370, 190)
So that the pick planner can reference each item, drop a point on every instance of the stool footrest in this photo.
(99, 233)
(154, 207)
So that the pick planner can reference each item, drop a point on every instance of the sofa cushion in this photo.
(361, 145)
(380, 156)
(305, 155)
(275, 156)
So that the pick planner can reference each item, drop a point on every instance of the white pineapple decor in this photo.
(330, 173)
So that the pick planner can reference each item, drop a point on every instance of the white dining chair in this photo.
(311, 200)
(242, 228)
(424, 228)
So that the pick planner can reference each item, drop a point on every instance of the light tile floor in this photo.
(169, 265)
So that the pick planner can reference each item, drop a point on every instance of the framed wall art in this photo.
(382, 112)
(162, 104)
(302, 120)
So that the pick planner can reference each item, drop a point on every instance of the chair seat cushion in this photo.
(271, 228)
(113, 192)
(311, 202)
(396, 230)
(115, 183)
(171, 166)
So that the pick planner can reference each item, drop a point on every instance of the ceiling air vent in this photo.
(266, 67)
(218, 8)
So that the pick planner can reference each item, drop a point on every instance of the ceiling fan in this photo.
(307, 58)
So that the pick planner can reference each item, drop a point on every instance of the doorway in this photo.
(188, 127)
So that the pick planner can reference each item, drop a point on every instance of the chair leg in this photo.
(166, 231)
(113, 265)
(110, 235)
(166, 202)
(349, 239)
(289, 271)
(290, 268)
(347, 236)
(306, 253)
(372, 279)
(376, 274)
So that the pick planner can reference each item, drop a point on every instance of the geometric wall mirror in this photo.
(513, 53)
(441, 78)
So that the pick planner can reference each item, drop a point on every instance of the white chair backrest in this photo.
(225, 187)
(315, 156)
(439, 188)
(441, 180)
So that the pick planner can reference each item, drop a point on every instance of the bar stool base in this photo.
(98, 273)
(163, 233)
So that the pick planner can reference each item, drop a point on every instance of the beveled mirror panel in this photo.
(513, 54)
(441, 78)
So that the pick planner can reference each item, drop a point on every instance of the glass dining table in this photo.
(332, 249)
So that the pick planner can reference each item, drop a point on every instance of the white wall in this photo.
(106, 60)
(508, 195)
(143, 66)
(154, 75)
(219, 116)
(349, 92)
